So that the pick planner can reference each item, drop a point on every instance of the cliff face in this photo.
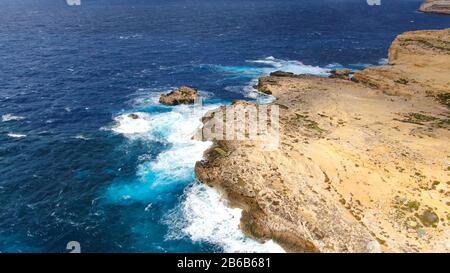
(436, 6)
(357, 169)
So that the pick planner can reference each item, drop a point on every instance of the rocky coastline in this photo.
(363, 162)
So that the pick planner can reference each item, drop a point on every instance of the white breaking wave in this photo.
(251, 92)
(178, 127)
(177, 162)
(132, 124)
(15, 135)
(174, 129)
(258, 68)
(11, 117)
(275, 64)
(205, 217)
(383, 61)
(295, 67)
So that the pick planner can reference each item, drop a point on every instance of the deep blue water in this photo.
(73, 167)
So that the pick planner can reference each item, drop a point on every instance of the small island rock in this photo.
(182, 95)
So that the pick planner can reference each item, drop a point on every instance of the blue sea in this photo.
(75, 167)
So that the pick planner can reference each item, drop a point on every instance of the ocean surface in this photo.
(75, 167)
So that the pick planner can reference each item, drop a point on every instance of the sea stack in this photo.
(182, 95)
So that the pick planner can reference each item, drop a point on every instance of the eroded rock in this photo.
(341, 73)
(182, 95)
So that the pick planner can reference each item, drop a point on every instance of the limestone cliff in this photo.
(436, 6)
(363, 165)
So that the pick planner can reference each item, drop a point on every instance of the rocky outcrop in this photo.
(357, 169)
(282, 74)
(183, 95)
(418, 62)
(264, 84)
(436, 6)
(341, 73)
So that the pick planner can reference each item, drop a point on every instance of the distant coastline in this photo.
(436, 6)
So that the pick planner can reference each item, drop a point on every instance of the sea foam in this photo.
(174, 165)
(293, 66)
(11, 117)
(204, 216)
(125, 124)
(262, 67)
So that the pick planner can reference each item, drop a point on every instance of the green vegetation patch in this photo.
(442, 124)
(220, 151)
(413, 205)
(312, 125)
(444, 98)
(402, 81)
(417, 118)
(309, 124)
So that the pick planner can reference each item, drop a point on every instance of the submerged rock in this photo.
(133, 116)
(183, 95)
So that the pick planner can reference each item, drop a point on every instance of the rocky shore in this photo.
(363, 163)
(436, 6)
